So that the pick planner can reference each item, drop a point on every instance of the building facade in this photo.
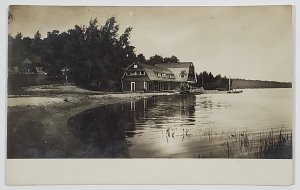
(159, 77)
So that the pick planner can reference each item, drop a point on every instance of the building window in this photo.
(142, 73)
(182, 74)
(134, 66)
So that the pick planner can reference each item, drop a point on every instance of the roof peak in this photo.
(27, 61)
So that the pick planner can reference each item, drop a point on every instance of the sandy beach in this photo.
(70, 95)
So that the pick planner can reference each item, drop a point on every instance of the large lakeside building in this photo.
(158, 77)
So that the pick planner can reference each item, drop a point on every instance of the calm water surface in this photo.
(184, 126)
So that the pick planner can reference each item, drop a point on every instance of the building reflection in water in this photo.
(107, 128)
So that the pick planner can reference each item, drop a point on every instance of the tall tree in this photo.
(141, 58)
(37, 35)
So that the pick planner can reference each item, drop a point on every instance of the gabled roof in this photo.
(174, 65)
(177, 69)
(152, 71)
(155, 68)
(26, 61)
(172, 70)
(35, 59)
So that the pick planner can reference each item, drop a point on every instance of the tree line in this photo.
(210, 82)
(243, 83)
(89, 54)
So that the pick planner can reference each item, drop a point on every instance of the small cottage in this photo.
(27, 67)
(158, 77)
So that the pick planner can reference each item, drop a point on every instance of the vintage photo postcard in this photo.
(150, 86)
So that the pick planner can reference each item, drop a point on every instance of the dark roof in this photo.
(32, 59)
(35, 59)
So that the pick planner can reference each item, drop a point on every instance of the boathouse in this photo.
(158, 77)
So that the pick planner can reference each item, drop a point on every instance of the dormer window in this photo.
(134, 66)
(182, 74)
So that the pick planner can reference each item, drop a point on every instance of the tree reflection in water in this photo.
(105, 129)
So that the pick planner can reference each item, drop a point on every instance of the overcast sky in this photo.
(238, 42)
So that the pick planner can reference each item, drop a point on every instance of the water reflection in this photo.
(215, 126)
(108, 128)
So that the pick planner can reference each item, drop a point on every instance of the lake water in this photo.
(254, 124)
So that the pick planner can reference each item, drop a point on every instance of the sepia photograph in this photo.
(194, 82)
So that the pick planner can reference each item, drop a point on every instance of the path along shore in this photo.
(67, 95)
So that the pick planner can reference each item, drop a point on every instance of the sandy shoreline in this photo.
(65, 95)
(71, 95)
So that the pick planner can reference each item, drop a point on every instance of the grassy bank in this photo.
(274, 143)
